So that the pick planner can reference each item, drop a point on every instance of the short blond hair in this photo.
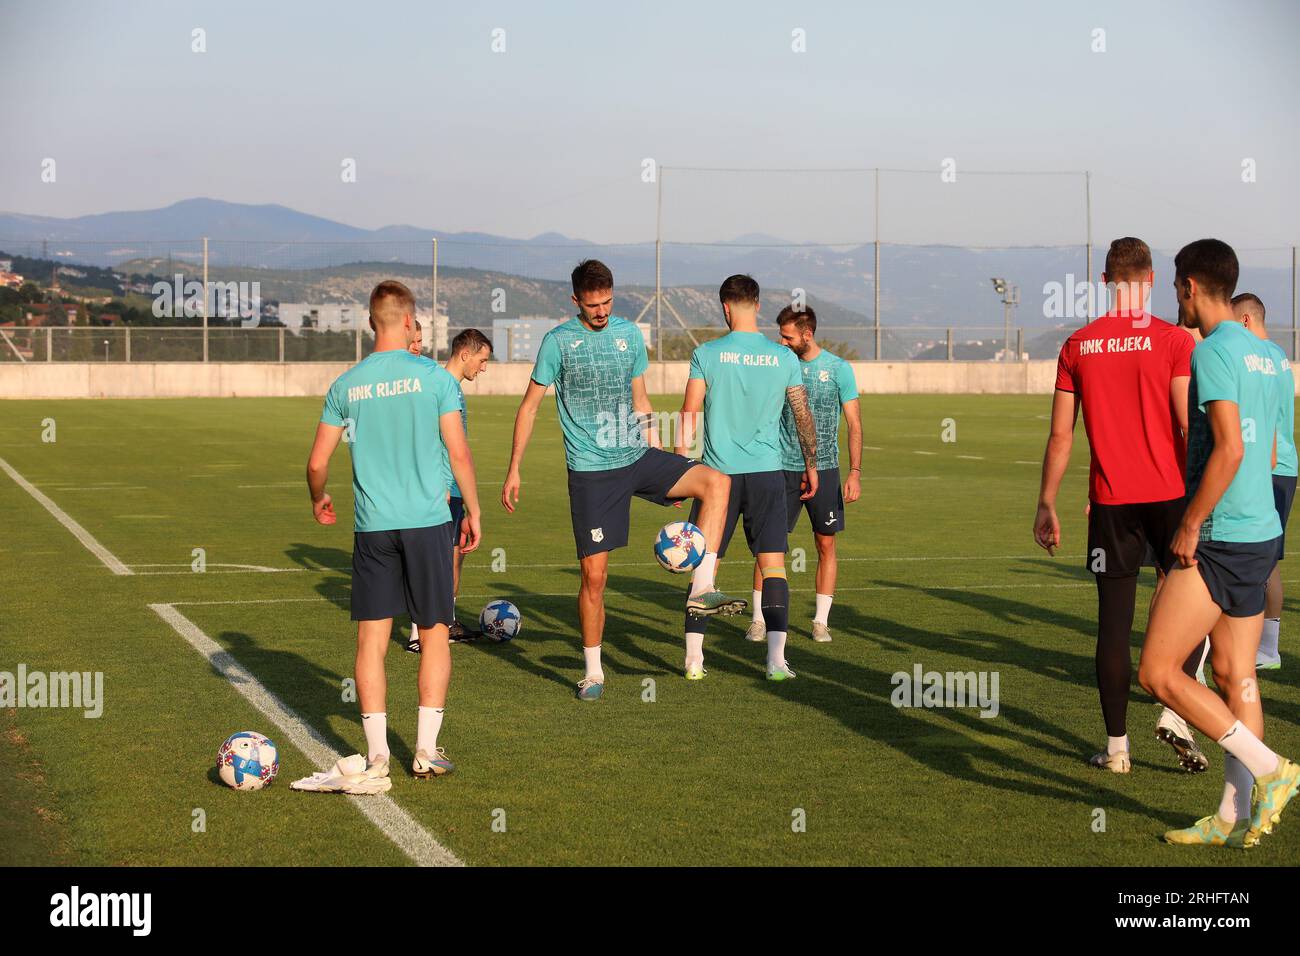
(389, 301)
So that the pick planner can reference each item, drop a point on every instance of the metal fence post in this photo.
(281, 337)
(358, 330)
(128, 343)
(950, 343)
(875, 275)
(49, 344)
(1295, 304)
(1020, 343)
(205, 298)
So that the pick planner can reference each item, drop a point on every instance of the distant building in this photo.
(11, 279)
(517, 340)
(329, 317)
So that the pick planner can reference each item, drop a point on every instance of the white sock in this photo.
(376, 727)
(1200, 668)
(1250, 750)
(757, 605)
(775, 648)
(694, 648)
(428, 723)
(1117, 745)
(592, 654)
(823, 608)
(1234, 805)
(1268, 639)
(702, 576)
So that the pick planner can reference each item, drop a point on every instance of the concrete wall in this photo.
(252, 379)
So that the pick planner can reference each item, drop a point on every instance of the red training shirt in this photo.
(1119, 368)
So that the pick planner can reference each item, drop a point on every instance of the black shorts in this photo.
(760, 497)
(1119, 535)
(1236, 572)
(457, 506)
(1283, 495)
(600, 502)
(403, 572)
(825, 509)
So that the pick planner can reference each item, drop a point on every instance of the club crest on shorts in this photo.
(598, 535)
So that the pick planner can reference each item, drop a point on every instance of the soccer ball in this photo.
(247, 761)
(679, 547)
(500, 621)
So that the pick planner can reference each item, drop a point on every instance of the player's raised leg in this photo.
(712, 490)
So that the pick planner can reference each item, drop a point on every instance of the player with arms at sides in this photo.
(1127, 371)
(1224, 550)
(471, 351)
(597, 361)
(1249, 311)
(741, 383)
(401, 558)
(832, 390)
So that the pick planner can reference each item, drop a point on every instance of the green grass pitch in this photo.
(937, 567)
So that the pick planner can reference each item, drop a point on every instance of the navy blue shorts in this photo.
(825, 508)
(600, 502)
(1236, 572)
(457, 506)
(760, 497)
(403, 572)
(1283, 495)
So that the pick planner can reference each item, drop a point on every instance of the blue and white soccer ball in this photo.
(500, 621)
(247, 761)
(679, 547)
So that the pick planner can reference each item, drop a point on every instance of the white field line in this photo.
(394, 822)
(106, 557)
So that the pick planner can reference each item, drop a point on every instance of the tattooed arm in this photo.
(806, 429)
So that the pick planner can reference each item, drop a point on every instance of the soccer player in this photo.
(832, 389)
(1128, 372)
(1224, 550)
(417, 339)
(1249, 311)
(471, 351)
(397, 411)
(597, 361)
(742, 382)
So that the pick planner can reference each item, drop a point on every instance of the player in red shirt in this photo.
(1128, 372)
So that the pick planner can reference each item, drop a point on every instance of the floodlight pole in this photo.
(659, 217)
(1087, 201)
(205, 298)
(876, 272)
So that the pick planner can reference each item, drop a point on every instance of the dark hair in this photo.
(1212, 263)
(1254, 305)
(739, 288)
(1128, 259)
(390, 294)
(805, 319)
(591, 275)
(471, 339)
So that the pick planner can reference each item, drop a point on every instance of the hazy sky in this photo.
(550, 134)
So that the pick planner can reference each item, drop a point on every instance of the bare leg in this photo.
(435, 666)
(591, 597)
(712, 489)
(828, 564)
(1182, 614)
(372, 646)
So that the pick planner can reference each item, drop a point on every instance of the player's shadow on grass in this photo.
(312, 691)
(948, 740)
(334, 563)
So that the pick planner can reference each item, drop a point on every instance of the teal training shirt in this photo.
(830, 383)
(1231, 364)
(745, 377)
(446, 455)
(592, 373)
(1286, 454)
(389, 405)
